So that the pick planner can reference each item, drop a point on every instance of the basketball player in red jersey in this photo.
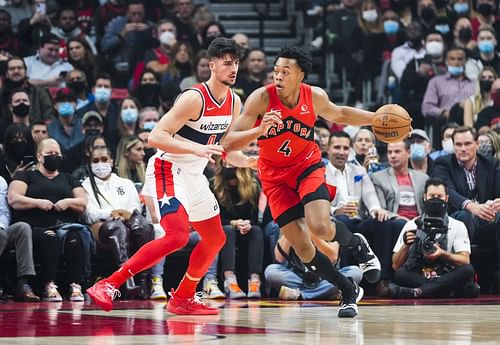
(186, 137)
(281, 116)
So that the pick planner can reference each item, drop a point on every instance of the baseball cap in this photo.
(65, 95)
(91, 115)
(420, 133)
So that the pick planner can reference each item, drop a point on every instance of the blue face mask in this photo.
(417, 152)
(461, 7)
(149, 125)
(129, 116)
(486, 47)
(443, 28)
(102, 94)
(455, 70)
(391, 27)
(65, 109)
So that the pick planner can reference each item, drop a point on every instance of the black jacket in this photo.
(487, 180)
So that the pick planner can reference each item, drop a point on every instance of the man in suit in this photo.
(473, 181)
(400, 191)
(357, 206)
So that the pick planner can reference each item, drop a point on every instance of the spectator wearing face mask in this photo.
(485, 14)
(462, 35)
(482, 98)
(76, 80)
(489, 117)
(158, 58)
(67, 129)
(485, 53)
(18, 151)
(446, 142)
(489, 145)
(426, 10)
(20, 107)
(420, 148)
(148, 91)
(417, 74)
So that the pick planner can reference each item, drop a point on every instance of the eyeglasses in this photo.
(100, 160)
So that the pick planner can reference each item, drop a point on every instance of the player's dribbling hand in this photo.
(270, 119)
(206, 151)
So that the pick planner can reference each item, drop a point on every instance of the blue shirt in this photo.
(66, 140)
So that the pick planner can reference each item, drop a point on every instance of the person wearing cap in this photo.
(92, 126)
(420, 148)
(46, 68)
(67, 129)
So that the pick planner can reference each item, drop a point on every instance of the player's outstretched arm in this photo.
(187, 107)
(240, 160)
(339, 114)
(242, 131)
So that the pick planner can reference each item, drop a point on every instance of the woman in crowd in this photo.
(81, 57)
(113, 215)
(127, 122)
(46, 198)
(181, 65)
(91, 143)
(201, 71)
(474, 104)
(148, 90)
(18, 151)
(130, 159)
(237, 192)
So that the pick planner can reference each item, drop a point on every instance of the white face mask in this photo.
(167, 38)
(370, 16)
(448, 146)
(101, 170)
(434, 48)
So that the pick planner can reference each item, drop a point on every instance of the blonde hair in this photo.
(478, 101)
(377, 26)
(122, 164)
(44, 143)
(248, 187)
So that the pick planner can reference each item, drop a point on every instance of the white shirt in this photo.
(402, 55)
(38, 70)
(458, 237)
(338, 178)
(119, 193)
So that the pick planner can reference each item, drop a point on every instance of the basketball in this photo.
(391, 123)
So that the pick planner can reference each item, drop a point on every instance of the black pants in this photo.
(436, 287)
(255, 241)
(48, 253)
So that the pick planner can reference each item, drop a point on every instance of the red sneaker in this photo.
(103, 294)
(189, 306)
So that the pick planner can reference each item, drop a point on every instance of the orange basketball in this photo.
(391, 123)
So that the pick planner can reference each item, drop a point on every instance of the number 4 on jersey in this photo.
(285, 149)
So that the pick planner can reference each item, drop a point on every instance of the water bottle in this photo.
(373, 162)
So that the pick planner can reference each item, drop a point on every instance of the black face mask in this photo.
(52, 162)
(465, 34)
(77, 86)
(415, 42)
(427, 14)
(21, 110)
(228, 173)
(485, 85)
(485, 9)
(148, 95)
(148, 153)
(91, 133)
(435, 207)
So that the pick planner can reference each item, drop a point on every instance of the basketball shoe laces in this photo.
(111, 291)
(197, 299)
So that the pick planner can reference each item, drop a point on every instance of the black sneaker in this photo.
(396, 291)
(368, 261)
(349, 301)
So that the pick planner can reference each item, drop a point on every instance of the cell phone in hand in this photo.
(28, 160)
(63, 74)
(41, 8)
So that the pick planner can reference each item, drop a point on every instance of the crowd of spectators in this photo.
(84, 82)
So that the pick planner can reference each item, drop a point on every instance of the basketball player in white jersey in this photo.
(187, 137)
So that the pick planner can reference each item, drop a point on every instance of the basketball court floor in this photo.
(380, 321)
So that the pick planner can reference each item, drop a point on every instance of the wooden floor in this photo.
(404, 322)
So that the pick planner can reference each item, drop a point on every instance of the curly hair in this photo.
(299, 54)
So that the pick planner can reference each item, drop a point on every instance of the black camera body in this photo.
(428, 228)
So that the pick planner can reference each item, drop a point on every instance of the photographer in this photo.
(432, 255)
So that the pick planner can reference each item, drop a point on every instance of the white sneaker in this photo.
(157, 291)
(50, 293)
(211, 289)
(254, 288)
(232, 289)
(368, 261)
(75, 293)
(287, 293)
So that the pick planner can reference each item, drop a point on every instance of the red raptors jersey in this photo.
(292, 141)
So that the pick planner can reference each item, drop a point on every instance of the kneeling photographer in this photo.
(432, 255)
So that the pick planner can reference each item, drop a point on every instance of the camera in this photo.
(427, 229)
